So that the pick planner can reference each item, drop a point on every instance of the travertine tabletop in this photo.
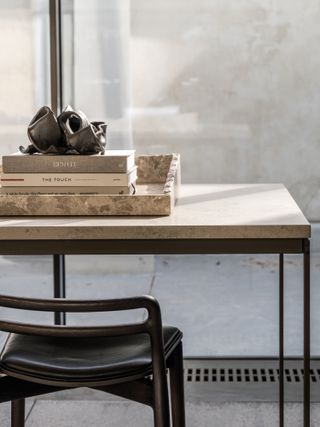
(222, 211)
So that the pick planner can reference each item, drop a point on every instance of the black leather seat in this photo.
(128, 360)
(81, 359)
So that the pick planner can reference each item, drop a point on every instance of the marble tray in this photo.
(157, 185)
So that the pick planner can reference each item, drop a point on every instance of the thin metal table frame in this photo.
(180, 247)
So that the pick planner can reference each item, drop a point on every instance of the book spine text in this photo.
(69, 179)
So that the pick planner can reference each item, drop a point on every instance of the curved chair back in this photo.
(152, 325)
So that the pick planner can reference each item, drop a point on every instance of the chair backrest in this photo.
(152, 325)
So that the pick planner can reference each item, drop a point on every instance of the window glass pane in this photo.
(232, 86)
(24, 77)
(101, 75)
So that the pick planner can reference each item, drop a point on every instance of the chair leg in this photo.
(17, 413)
(175, 363)
(161, 407)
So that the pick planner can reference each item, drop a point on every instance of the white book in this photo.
(15, 191)
(68, 179)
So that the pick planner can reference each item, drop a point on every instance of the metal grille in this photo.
(247, 375)
(247, 380)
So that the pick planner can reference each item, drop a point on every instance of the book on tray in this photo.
(70, 190)
(112, 161)
(111, 173)
(70, 179)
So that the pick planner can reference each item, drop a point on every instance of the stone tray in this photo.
(156, 193)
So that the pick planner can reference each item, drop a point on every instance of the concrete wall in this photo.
(234, 87)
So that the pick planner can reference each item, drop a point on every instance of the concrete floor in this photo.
(95, 413)
(225, 305)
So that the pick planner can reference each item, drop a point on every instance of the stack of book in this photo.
(113, 172)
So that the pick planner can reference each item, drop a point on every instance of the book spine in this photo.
(68, 179)
(67, 164)
(12, 191)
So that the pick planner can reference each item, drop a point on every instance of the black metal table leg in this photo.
(59, 285)
(306, 332)
(281, 342)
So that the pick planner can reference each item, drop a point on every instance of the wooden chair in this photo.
(129, 360)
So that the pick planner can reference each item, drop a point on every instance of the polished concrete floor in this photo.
(96, 413)
(225, 305)
(84, 413)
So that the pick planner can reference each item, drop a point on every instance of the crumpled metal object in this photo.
(45, 134)
(70, 133)
(82, 137)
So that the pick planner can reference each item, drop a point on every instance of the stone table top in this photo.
(210, 211)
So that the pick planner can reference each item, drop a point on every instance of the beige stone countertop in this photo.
(211, 211)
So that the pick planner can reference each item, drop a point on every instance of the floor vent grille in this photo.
(248, 380)
(247, 375)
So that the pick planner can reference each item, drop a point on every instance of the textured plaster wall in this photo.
(234, 87)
